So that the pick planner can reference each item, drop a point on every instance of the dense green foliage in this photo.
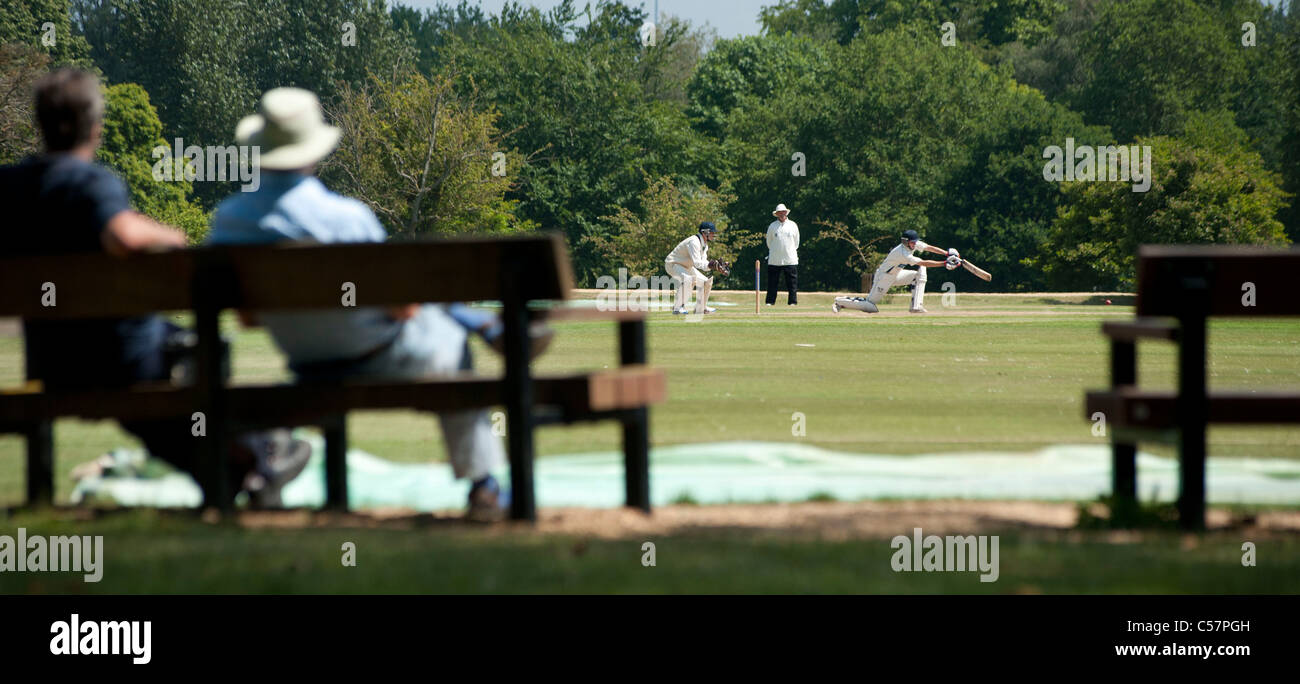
(131, 132)
(874, 115)
(1206, 188)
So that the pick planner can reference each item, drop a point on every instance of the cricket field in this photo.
(979, 372)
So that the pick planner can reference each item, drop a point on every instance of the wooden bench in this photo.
(1178, 289)
(520, 272)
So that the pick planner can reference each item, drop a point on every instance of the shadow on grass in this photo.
(1095, 300)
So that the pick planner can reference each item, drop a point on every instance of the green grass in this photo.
(1011, 379)
(993, 373)
(148, 552)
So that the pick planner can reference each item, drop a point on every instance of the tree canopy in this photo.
(866, 117)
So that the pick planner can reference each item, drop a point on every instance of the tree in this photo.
(28, 22)
(430, 29)
(581, 113)
(20, 67)
(131, 132)
(1151, 63)
(670, 64)
(1055, 63)
(977, 21)
(903, 133)
(424, 159)
(206, 63)
(756, 67)
(1208, 187)
(640, 241)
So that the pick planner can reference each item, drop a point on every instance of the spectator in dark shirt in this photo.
(62, 202)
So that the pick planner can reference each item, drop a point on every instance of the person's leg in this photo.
(918, 290)
(879, 287)
(792, 283)
(905, 277)
(702, 297)
(773, 273)
(684, 283)
(433, 344)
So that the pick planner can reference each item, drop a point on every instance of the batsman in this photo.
(892, 272)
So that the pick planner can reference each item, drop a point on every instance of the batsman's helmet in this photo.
(708, 227)
(910, 235)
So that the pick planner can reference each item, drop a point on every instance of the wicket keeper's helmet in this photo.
(910, 235)
(708, 227)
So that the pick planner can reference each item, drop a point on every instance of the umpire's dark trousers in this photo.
(791, 283)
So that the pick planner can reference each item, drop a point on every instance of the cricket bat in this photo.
(979, 272)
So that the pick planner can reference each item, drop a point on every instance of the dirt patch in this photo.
(830, 521)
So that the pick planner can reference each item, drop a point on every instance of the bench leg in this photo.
(213, 450)
(1123, 371)
(336, 463)
(213, 467)
(636, 458)
(519, 409)
(636, 422)
(1124, 479)
(40, 464)
(1192, 415)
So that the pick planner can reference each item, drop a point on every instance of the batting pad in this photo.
(858, 303)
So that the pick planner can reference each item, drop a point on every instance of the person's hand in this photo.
(952, 251)
(403, 313)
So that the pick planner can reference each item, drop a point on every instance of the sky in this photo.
(730, 18)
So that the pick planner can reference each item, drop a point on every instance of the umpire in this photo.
(783, 256)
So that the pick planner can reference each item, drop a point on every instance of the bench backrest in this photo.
(288, 276)
(1217, 281)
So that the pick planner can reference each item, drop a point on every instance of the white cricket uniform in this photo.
(891, 273)
(684, 264)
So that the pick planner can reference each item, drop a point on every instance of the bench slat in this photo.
(620, 388)
(1210, 279)
(563, 314)
(286, 276)
(1141, 328)
(1157, 409)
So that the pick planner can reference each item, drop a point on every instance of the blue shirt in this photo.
(60, 204)
(293, 206)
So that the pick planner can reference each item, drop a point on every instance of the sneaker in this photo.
(709, 310)
(486, 501)
(835, 307)
(919, 309)
(680, 312)
(279, 458)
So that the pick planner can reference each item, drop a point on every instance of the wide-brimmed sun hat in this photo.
(289, 130)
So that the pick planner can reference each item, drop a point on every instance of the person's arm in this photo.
(930, 263)
(129, 231)
(796, 236)
(404, 312)
(936, 250)
(771, 236)
(697, 255)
